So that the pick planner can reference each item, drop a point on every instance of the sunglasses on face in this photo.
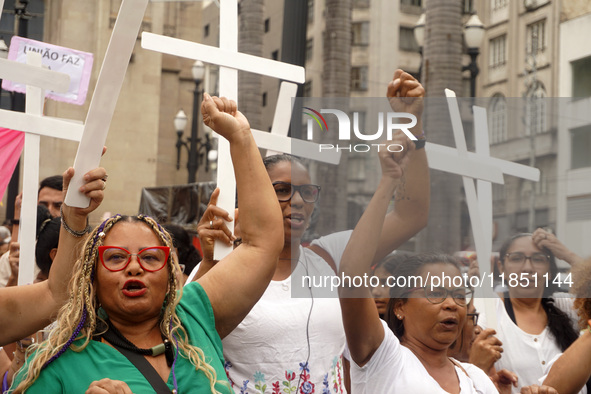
(286, 190)
(116, 258)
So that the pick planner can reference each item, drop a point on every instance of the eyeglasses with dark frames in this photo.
(436, 295)
(286, 190)
(116, 258)
(518, 258)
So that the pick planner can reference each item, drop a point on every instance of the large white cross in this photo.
(230, 61)
(479, 204)
(92, 134)
(37, 79)
(104, 98)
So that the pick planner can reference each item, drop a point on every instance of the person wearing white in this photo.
(396, 366)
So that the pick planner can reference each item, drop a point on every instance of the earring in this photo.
(399, 317)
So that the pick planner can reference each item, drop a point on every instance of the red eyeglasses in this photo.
(116, 258)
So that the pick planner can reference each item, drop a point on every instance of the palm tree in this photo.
(442, 69)
(336, 82)
(250, 40)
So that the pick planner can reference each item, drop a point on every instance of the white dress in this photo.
(275, 349)
(524, 354)
(395, 369)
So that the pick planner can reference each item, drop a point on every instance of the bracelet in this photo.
(73, 232)
(15, 221)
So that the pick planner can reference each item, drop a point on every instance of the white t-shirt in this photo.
(270, 346)
(395, 369)
(524, 354)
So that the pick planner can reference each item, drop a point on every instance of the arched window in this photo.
(497, 121)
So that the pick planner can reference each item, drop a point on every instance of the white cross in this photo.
(479, 204)
(34, 125)
(230, 61)
(104, 98)
(92, 134)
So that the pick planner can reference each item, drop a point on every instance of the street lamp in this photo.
(473, 34)
(196, 148)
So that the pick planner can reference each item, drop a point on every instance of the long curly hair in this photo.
(79, 318)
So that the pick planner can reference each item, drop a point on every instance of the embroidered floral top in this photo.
(291, 345)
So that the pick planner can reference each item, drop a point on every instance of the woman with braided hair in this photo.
(129, 326)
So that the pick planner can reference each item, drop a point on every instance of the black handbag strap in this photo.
(143, 366)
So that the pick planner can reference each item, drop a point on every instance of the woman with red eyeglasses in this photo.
(129, 326)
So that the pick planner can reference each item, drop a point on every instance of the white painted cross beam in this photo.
(104, 99)
(34, 125)
(230, 59)
(480, 205)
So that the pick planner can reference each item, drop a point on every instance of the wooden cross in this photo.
(230, 61)
(104, 98)
(479, 204)
(37, 79)
(92, 134)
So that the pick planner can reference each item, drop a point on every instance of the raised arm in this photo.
(545, 239)
(573, 369)
(26, 309)
(363, 328)
(236, 283)
(411, 209)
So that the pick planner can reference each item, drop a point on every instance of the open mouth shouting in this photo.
(134, 288)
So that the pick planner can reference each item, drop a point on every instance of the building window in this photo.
(580, 147)
(275, 55)
(415, 3)
(498, 51)
(267, 25)
(467, 6)
(536, 37)
(359, 78)
(407, 40)
(206, 30)
(361, 3)
(498, 4)
(309, 49)
(310, 11)
(265, 99)
(360, 31)
(498, 119)
(581, 77)
(308, 89)
(535, 109)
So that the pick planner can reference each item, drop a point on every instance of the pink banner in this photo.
(11, 146)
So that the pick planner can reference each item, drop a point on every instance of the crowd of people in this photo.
(114, 309)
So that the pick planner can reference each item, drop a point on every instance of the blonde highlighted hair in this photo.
(78, 318)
